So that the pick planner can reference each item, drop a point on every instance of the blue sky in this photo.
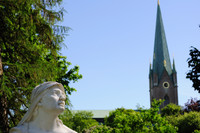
(112, 41)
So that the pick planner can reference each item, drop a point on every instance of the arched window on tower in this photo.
(166, 98)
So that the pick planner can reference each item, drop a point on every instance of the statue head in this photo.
(48, 96)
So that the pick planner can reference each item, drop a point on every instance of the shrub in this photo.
(153, 120)
(189, 122)
(171, 109)
(147, 120)
(99, 129)
(79, 121)
(124, 120)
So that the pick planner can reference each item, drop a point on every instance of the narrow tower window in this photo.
(166, 98)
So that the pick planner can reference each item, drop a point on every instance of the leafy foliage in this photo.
(147, 120)
(153, 120)
(189, 122)
(171, 120)
(171, 110)
(194, 64)
(99, 129)
(192, 105)
(196, 131)
(30, 42)
(79, 121)
(185, 122)
(124, 120)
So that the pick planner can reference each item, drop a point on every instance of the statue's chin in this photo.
(61, 109)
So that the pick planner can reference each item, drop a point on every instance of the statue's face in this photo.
(53, 100)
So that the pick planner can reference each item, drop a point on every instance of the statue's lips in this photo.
(61, 103)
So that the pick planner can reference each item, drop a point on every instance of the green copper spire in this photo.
(174, 68)
(161, 58)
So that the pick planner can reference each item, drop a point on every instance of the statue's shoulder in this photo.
(19, 129)
(68, 130)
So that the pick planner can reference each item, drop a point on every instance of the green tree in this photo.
(194, 64)
(30, 42)
(99, 129)
(154, 122)
(171, 109)
(185, 122)
(196, 131)
(189, 122)
(66, 118)
(171, 112)
(124, 121)
(146, 120)
(79, 121)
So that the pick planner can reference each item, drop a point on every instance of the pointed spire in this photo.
(150, 69)
(161, 59)
(150, 66)
(173, 65)
(158, 2)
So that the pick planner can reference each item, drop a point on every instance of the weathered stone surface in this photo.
(47, 102)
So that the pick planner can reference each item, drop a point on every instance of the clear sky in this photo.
(112, 41)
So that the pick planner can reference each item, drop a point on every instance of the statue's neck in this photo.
(46, 121)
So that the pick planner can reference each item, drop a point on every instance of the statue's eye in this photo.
(56, 92)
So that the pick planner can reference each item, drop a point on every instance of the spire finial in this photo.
(173, 65)
(158, 2)
(165, 63)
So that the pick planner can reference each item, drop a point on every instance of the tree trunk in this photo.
(4, 124)
(1, 66)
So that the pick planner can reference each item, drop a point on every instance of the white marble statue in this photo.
(47, 102)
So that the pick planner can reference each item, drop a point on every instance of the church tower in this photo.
(162, 76)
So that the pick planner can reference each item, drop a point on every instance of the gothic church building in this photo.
(162, 75)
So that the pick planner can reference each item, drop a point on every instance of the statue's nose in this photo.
(62, 97)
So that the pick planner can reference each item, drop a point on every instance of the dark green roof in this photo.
(161, 58)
